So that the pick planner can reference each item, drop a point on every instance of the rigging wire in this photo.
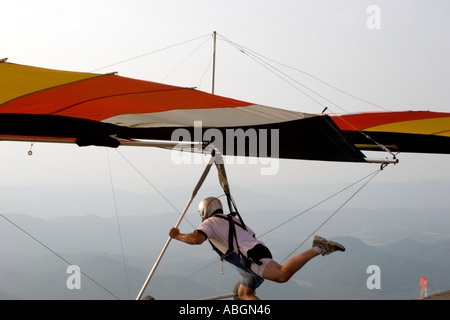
(373, 175)
(277, 72)
(187, 58)
(204, 73)
(318, 204)
(255, 56)
(118, 224)
(149, 53)
(260, 59)
(153, 186)
(57, 254)
(307, 74)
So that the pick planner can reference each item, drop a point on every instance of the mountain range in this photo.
(116, 253)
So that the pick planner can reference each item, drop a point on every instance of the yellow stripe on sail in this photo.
(18, 80)
(430, 126)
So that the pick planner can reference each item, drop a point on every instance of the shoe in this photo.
(327, 246)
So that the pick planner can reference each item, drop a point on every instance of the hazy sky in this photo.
(392, 53)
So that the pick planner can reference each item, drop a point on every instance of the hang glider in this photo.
(47, 105)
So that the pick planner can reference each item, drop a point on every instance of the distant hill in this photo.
(78, 200)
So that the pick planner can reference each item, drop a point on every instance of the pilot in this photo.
(236, 243)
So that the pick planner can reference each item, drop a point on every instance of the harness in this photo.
(253, 255)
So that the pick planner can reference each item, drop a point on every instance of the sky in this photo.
(391, 53)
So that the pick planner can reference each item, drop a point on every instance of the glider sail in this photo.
(407, 131)
(39, 104)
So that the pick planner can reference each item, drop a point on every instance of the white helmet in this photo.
(208, 207)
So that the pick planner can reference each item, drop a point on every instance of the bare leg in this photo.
(282, 273)
(246, 293)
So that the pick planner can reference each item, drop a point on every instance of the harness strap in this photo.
(231, 237)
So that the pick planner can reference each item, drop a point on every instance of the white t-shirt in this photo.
(216, 229)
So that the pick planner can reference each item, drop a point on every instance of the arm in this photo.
(190, 238)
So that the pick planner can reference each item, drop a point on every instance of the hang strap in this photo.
(223, 180)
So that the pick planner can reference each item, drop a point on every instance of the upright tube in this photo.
(194, 193)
